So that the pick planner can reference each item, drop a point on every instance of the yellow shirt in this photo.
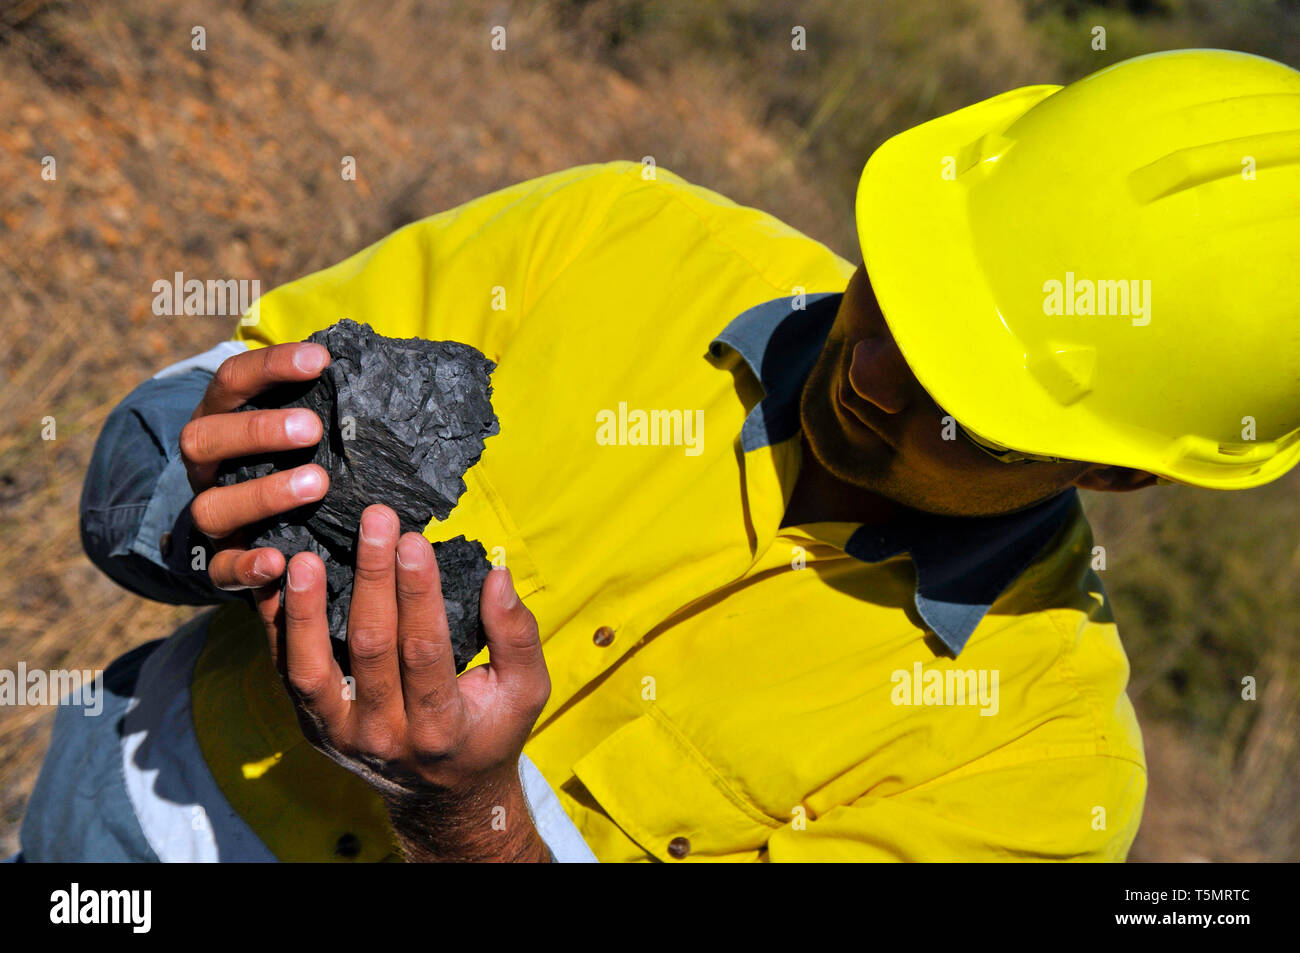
(764, 695)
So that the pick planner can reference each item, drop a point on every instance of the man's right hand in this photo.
(215, 434)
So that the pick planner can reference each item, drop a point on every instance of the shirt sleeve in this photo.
(1071, 808)
(135, 517)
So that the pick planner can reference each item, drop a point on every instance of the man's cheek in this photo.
(935, 439)
(938, 445)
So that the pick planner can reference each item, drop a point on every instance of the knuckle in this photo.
(309, 682)
(296, 613)
(518, 624)
(227, 374)
(191, 440)
(371, 568)
(263, 430)
(420, 654)
(527, 622)
(432, 742)
(277, 359)
(201, 513)
(381, 740)
(369, 645)
(215, 513)
(267, 493)
(523, 634)
(222, 572)
(412, 608)
(432, 750)
(413, 586)
(528, 631)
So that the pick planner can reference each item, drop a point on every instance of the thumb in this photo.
(514, 645)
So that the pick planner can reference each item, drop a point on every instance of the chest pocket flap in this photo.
(656, 786)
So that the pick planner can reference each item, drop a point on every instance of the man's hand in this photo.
(215, 434)
(442, 751)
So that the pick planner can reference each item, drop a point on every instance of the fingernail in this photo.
(411, 552)
(301, 427)
(375, 527)
(506, 595)
(305, 483)
(311, 359)
(261, 569)
(300, 576)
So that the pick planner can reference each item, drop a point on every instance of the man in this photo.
(796, 565)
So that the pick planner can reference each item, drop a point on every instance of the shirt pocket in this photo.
(481, 514)
(656, 786)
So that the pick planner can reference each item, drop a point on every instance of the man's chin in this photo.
(864, 467)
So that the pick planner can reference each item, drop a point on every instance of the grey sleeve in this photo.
(135, 519)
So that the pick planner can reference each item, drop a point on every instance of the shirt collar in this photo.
(962, 563)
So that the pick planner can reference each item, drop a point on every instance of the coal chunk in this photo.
(403, 420)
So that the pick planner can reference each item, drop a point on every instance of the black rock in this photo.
(403, 420)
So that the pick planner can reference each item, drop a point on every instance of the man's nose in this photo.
(879, 374)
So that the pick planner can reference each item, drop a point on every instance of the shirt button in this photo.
(678, 848)
(604, 635)
(349, 846)
(165, 544)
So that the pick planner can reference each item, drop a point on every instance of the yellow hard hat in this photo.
(1107, 271)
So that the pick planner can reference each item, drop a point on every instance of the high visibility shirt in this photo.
(723, 687)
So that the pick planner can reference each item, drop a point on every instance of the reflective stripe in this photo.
(180, 808)
(554, 826)
(78, 811)
(183, 814)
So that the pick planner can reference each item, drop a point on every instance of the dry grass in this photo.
(225, 163)
(1203, 588)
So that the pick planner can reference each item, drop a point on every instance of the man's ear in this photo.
(1107, 479)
